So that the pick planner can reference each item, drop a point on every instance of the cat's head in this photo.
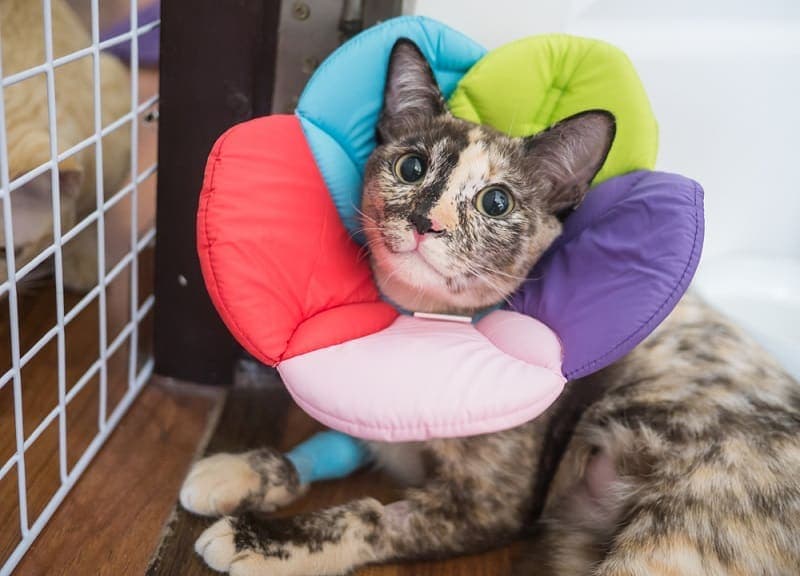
(32, 203)
(456, 214)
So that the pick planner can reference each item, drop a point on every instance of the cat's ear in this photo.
(411, 91)
(570, 154)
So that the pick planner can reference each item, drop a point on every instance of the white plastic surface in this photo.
(763, 296)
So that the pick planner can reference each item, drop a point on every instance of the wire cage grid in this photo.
(137, 376)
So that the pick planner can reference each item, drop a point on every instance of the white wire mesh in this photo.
(138, 369)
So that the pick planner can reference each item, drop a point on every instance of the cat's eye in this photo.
(410, 168)
(494, 202)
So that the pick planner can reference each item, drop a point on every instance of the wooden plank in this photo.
(267, 417)
(112, 519)
(216, 70)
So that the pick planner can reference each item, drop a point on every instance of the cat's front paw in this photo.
(218, 547)
(225, 546)
(262, 480)
(325, 543)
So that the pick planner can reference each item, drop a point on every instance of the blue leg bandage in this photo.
(328, 455)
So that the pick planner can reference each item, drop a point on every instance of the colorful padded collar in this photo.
(288, 279)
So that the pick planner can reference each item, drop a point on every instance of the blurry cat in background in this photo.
(28, 136)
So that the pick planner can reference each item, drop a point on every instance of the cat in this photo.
(681, 458)
(28, 136)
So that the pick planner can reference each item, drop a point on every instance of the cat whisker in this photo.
(364, 251)
(490, 284)
(389, 278)
(418, 297)
(369, 225)
(365, 228)
(370, 243)
(499, 272)
(364, 215)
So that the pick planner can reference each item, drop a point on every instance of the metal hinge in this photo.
(310, 30)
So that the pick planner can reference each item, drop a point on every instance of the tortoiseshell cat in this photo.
(682, 458)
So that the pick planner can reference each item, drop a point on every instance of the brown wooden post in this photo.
(223, 62)
(217, 67)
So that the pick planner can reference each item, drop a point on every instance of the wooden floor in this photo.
(39, 389)
(111, 522)
(114, 520)
(258, 416)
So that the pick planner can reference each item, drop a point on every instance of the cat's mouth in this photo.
(418, 257)
(412, 266)
(400, 259)
(418, 273)
(407, 262)
(413, 280)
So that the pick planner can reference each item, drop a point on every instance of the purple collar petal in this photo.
(626, 257)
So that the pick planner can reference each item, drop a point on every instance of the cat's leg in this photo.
(580, 517)
(649, 488)
(668, 555)
(479, 498)
(430, 523)
(625, 534)
(265, 479)
(697, 517)
(331, 541)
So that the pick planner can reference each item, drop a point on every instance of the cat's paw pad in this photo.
(219, 484)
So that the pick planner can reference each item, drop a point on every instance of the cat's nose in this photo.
(424, 225)
(421, 223)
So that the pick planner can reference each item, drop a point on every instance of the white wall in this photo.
(724, 80)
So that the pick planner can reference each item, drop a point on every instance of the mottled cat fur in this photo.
(28, 136)
(683, 458)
